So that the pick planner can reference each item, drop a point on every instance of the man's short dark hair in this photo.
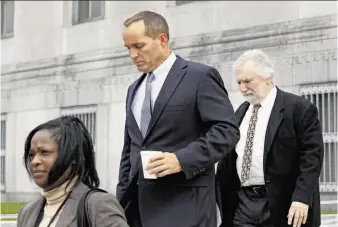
(154, 23)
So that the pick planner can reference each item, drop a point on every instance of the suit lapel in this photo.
(275, 119)
(35, 213)
(240, 113)
(170, 84)
(130, 100)
(68, 213)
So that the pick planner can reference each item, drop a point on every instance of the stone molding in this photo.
(114, 71)
(115, 57)
(318, 88)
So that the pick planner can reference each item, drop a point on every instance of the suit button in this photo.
(268, 181)
(143, 148)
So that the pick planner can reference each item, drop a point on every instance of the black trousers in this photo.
(133, 212)
(253, 209)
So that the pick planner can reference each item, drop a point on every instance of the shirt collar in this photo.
(164, 68)
(270, 98)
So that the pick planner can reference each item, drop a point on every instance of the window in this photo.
(324, 96)
(7, 19)
(87, 114)
(85, 11)
(183, 2)
(3, 153)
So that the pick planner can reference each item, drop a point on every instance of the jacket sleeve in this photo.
(311, 152)
(125, 162)
(217, 114)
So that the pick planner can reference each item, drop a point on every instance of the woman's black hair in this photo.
(75, 150)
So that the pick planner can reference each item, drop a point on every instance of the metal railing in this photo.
(324, 96)
(87, 114)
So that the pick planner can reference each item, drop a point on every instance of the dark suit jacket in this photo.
(104, 210)
(293, 156)
(193, 118)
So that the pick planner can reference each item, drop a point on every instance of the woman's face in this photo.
(42, 156)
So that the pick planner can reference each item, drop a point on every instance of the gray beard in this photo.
(252, 99)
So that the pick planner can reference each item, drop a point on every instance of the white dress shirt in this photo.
(256, 172)
(160, 74)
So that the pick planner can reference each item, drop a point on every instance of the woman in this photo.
(59, 157)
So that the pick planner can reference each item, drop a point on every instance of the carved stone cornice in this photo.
(262, 35)
(108, 72)
(71, 80)
(318, 88)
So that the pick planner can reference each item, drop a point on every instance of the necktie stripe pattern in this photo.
(146, 111)
(247, 157)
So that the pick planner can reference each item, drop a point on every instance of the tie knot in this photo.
(150, 77)
(257, 106)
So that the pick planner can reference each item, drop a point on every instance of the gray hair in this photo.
(154, 23)
(263, 65)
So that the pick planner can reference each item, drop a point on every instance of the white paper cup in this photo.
(146, 156)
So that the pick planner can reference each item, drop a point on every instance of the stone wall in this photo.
(304, 51)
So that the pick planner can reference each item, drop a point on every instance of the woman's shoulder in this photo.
(30, 205)
(27, 209)
(105, 208)
(103, 199)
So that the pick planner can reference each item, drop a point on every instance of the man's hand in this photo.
(298, 212)
(164, 164)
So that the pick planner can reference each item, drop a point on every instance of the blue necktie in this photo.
(146, 111)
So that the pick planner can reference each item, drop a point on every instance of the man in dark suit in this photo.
(271, 177)
(182, 109)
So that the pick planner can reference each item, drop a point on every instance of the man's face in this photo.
(146, 52)
(253, 87)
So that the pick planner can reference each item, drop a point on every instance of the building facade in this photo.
(67, 58)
